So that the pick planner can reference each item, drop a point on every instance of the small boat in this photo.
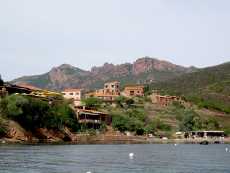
(204, 143)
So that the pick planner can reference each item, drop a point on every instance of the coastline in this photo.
(107, 140)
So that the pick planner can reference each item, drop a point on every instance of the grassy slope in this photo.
(208, 87)
(172, 116)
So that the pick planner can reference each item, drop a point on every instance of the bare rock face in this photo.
(49, 135)
(17, 133)
(147, 64)
(111, 70)
(46, 135)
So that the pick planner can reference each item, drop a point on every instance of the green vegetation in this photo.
(208, 87)
(129, 120)
(92, 102)
(34, 113)
(132, 115)
(3, 127)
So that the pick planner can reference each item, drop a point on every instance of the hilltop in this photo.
(143, 70)
(208, 87)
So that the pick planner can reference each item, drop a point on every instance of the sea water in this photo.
(154, 158)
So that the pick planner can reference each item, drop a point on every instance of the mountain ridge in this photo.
(143, 70)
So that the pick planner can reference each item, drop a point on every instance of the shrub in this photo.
(92, 102)
(140, 131)
(129, 102)
(3, 128)
(14, 105)
(211, 124)
(151, 127)
(120, 122)
(227, 131)
(191, 121)
(120, 101)
(137, 113)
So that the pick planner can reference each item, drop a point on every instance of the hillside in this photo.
(208, 87)
(143, 70)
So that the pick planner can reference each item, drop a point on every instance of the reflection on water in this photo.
(155, 158)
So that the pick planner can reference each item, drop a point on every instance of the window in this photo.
(131, 93)
(112, 86)
(71, 94)
(106, 86)
(77, 94)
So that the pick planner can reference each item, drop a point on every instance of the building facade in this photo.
(134, 90)
(165, 100)
(110, 91)
(92, 118)
(73, 94)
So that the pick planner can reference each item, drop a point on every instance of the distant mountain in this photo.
(142, 71)
(207, 87)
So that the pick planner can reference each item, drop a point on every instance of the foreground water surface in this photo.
(155, 158)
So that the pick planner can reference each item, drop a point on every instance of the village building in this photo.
(8, 88)
(110, 91)
(133, 90)
(31, 87)
(75, 95)
(92, 118)
(164, 100)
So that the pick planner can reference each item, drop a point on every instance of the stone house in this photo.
(73, 94)
(133, 90)
(110, 91)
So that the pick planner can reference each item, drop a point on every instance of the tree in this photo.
(129, 102)
(1, 81)
(34, 113)
(191, 121)
(120, 101)
(14, 105)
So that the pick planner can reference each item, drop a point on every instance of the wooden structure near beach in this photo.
(92, 118)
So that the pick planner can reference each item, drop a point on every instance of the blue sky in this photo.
(37, 35)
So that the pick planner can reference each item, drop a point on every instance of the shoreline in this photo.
(110, 140)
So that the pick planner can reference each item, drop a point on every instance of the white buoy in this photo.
(175, 145)
(131, 155)
(88, 172)
(226, 149)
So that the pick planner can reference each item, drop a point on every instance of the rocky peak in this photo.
(107, 67)
(66, 66)
(147, 64)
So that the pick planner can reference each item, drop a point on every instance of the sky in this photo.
(36, 35)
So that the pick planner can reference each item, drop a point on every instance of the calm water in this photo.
(154, 158)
